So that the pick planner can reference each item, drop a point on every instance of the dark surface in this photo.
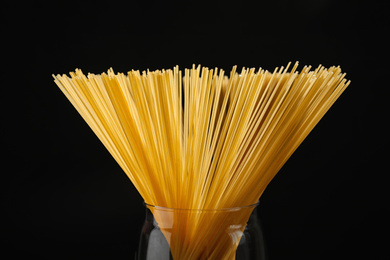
(63, 195)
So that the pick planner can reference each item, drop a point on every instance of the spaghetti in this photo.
(201, 139)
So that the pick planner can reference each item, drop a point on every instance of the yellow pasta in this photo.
(200, 139)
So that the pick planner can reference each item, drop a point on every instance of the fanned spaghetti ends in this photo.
(200, 139)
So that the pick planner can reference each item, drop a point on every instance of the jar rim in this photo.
(237, 208)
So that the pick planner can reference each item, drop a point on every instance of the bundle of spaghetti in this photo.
(201, 139)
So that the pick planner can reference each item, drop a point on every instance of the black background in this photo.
(64, 197)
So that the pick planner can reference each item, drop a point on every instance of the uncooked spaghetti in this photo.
(202, 139)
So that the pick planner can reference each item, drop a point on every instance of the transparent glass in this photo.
(182, 234)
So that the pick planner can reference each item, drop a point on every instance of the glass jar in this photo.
(188, 234)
